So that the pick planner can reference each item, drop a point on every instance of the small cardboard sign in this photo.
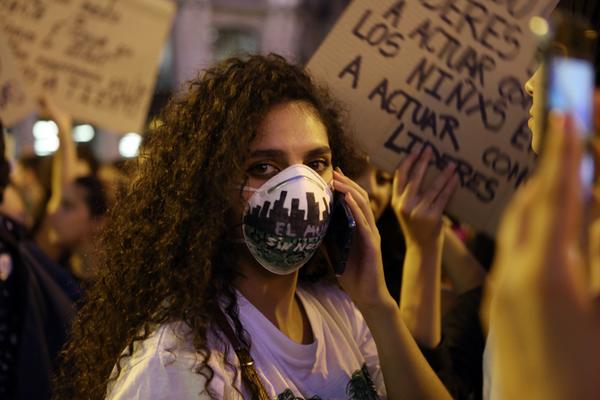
(446, 74)
(15, 104)
(97, 59)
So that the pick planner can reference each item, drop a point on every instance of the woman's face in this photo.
(378, 185)
(535, 89)
(291, 133)
(72, 222)
(14, 206)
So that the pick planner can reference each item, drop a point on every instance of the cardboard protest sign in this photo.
(97, 59)
(447, 74)
(15, 104)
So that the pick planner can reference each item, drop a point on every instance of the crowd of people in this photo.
(202, 272)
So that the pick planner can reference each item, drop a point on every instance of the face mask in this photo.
(286, 219)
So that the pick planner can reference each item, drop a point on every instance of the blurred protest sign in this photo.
(447, 74)
(97, 59)
(15, 104)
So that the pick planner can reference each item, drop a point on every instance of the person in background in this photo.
(378, 184)
(78, 205)
(462, 271)
(36, 306)
(430, 244)
(545, 317)
(452, 312)
(78, 222)
(31, 179)
(14, 206)
(494, 379)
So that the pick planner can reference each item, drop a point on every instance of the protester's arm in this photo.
(419, 212)
(406, 373)
(64, 161)
(460, 265)
(544, 319)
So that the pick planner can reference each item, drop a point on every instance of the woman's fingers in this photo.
(403, 172)
(561, 183)
(346, 185)
(358, 214)
(437, 187)
(441, 201)
(338, 174)
(49, 109)
(416, 177)
(364, 208)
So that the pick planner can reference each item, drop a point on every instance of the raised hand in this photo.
(544, 320)
(419, 210)
(62, 118)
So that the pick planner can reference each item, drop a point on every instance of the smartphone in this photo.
(570, 80)
(338, 239)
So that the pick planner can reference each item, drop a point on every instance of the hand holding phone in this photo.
(570, 80)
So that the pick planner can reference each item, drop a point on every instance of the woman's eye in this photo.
(262, 170)
(319, 165)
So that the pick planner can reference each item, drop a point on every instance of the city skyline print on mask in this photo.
(286, 219)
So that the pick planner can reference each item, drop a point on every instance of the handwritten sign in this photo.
(445, 74)
(15, 104)
(98, 59)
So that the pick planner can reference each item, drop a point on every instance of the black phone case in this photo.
(338, 239)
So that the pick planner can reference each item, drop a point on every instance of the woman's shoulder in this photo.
(163, 365)
(328, 298)
(327, 293)
(338, 315)
(164, 343)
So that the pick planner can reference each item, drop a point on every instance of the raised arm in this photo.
(460, 265)
(420, 215)
(64, 161)
(545, 322)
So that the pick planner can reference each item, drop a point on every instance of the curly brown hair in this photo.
(165, 240)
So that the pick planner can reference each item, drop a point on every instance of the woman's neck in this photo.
(275, 297)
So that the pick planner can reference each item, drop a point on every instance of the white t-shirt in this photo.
(341, 363)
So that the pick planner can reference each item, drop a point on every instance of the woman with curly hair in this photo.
(201, 293)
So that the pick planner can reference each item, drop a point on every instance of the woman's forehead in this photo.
(292, 127)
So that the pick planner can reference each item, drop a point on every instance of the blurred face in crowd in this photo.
(14, 206)
(378, 184)
(535, 89)
(30, 186)
(72, 223)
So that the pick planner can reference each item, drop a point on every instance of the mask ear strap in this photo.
(244, 188)
(249, 189)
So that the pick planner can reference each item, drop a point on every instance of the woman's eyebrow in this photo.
(267, 153)
(319, 151)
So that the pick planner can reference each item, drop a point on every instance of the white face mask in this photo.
(287, 218)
